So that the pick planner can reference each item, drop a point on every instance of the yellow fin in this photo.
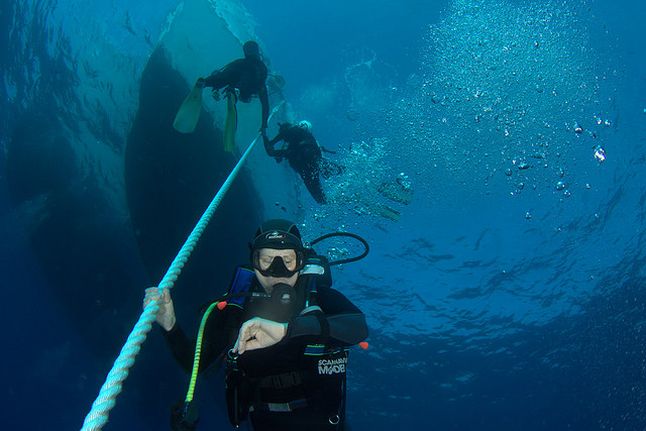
(189, 113)
(230, 124)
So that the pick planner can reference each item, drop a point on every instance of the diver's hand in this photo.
(201, 83)
(166, 314)
(258, 333)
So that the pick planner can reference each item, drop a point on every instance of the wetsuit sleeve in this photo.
(264, 102)
(228, 75)
(340, 322)
(269, 147)
(214, 341)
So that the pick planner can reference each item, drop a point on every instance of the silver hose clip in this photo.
(232, 360)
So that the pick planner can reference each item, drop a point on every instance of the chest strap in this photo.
(279, 407)
(281, 381)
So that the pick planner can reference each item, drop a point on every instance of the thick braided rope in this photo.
(98, 416)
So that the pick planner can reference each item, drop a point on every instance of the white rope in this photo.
(98, 415)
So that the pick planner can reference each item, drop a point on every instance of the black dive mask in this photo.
(277, 269)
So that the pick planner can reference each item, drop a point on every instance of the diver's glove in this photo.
(184, 417)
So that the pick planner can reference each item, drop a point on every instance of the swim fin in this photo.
(189, 113)
(386, 211)
(230, 123)
(396, 192)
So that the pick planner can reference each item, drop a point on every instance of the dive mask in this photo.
(277, 267)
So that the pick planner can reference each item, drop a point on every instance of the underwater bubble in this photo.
(403, 180)
(523, 165)
(337, 253)
(567, 194)
(508, 172)
(528, 215)
(599, 154)
(560, 185)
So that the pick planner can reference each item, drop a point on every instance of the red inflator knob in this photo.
(364, 345)
(221, 305)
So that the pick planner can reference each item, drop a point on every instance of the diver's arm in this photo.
(341, 329)
(181, 347)
(264, 102)
(341, 324)
(213, 343)
(340, 321)
(269, 146)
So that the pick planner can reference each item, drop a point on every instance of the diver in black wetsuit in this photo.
(247, 75)
(286, 336)
(304, 155)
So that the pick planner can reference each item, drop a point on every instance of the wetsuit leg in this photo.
(330, 169)
(313, 184)
(308, 166)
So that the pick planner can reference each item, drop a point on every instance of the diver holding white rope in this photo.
(284, 332)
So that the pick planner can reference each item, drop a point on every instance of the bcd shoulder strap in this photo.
(240, 284)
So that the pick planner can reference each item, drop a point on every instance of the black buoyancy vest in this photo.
(253, 78)
(312, 374)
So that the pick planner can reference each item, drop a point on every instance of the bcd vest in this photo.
(311, 375)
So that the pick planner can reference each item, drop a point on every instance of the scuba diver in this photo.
(247, 75)
(304, 155)
(283, 331)
(241, 79)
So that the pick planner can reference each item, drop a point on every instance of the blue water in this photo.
(508, 294)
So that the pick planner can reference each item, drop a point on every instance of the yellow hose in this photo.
(198, 351)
